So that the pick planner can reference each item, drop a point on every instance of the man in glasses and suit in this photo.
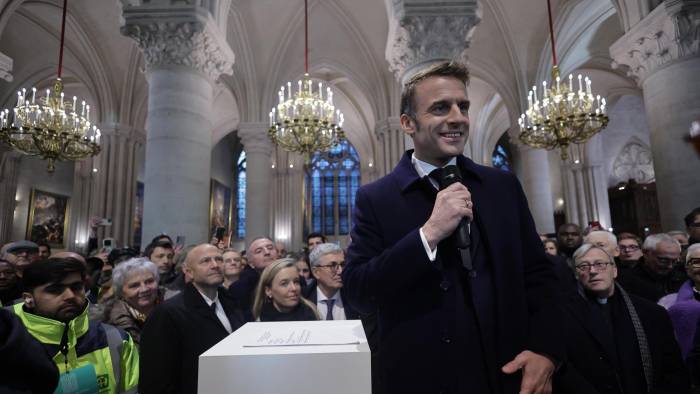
(616, 342)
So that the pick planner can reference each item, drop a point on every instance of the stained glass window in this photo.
(335, 178)
(240, 196)
(501, 157)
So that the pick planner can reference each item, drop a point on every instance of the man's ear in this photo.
(408, 124)
(313, 272)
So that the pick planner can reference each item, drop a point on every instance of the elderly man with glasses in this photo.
(616, 342)
(327, 262)
(660, 272)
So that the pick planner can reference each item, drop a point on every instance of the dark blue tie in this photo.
(329, 303)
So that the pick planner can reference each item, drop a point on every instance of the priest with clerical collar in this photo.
(616, 342)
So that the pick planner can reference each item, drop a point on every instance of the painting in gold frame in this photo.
(219, 207)
(48, 218)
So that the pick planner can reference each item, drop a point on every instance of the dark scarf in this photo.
(300, 313)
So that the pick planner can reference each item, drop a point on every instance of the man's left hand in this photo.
(537, 372)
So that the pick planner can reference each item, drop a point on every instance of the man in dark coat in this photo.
(261, 252)
(482, 320)
(185, 326)
(616, 343)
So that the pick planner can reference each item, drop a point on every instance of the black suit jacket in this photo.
(427, 311)
(593, 355)
(311, 294)
(175, 334)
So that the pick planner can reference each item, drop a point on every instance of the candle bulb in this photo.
(534, 94)
(74, 100)
(19, 99)
(544, 89)
(588, 86)
(320, 91)
(82, 112)
(33, 95)
(558, 79)
(87, 116)
(61, 100)
(580, 88)
(299, 90)
(48, 94)
(571, 82)
(289, 90)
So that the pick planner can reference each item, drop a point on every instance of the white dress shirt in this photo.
(424, 169)
(338, 310)
(219, 310)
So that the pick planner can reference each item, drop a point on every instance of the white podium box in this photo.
(309, 357)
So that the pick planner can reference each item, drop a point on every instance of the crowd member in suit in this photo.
(550, 247)
(483, 319)
(10, 283)
(569, 238)
(278, 295)
(260, 253)
(187, 325)
(616, 343)
(326, 292)
(656, 276)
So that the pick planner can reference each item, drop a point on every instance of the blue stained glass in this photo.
(328, 204)
(500, 158)
(343, 217)
(316, 202)
(333, 184)
(240, 196)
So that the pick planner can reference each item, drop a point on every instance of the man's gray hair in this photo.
(585, 248)
(135, 265)
(612, 239)
(691, 249)
(322, 250)
(653, 240)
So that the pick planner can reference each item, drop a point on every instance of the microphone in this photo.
(449, 175)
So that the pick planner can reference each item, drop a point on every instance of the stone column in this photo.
(390, 138)
(585, 186)
(535, 180)
(5, 67)
(258, 150)
(662, 53)
(9, 170)
(185, 53)
(421, 33)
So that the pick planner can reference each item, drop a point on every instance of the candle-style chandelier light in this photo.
(561, 115)
(53, 127)
(305, 121)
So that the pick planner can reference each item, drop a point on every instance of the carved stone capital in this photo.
(185, 36)
(669, 33)
(5, 67)
(254, 138)
(421, 33)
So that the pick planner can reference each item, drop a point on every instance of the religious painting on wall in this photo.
(48, 218)
(220, 207)
(138, 215)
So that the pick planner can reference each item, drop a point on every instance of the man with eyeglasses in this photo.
(616, 342)
(630, 250)
(327, 262)
(657, 275)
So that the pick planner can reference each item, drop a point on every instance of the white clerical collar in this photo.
(424, 168)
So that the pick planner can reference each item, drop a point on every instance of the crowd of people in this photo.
(631, 307)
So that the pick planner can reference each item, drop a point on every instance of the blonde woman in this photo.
(278, 294)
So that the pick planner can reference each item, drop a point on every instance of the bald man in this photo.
(187, 325)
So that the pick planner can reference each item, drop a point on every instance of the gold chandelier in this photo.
(52, 127)
(561, 115)
(305, 121)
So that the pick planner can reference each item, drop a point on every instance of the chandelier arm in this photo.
(551, 33)
(63, 33)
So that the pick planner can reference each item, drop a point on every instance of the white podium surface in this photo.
(309, 357)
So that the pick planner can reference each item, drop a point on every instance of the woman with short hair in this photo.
(135, 284)
(278, 294)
